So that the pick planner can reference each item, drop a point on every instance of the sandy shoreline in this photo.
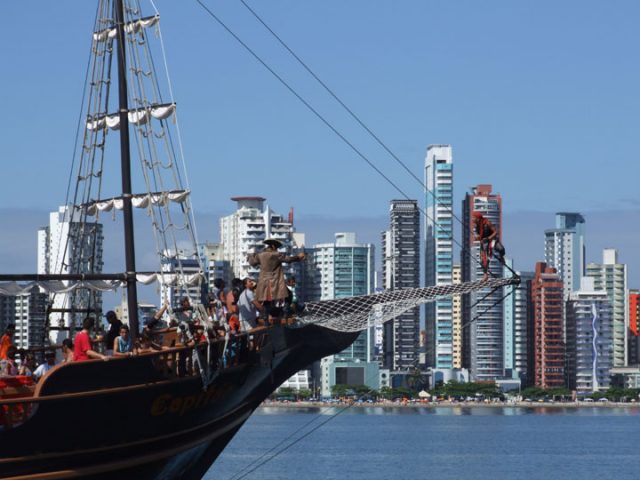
(446, 404)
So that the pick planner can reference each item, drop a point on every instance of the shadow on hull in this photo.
(93, 419)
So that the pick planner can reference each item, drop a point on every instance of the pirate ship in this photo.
(166, 413)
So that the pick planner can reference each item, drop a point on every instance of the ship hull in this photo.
(139, 425)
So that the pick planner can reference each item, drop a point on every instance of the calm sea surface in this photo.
(437, 443)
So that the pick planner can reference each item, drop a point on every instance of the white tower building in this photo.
(564, 250)
(589, 339)
(611, 277)
(243, 232)
(68, 246)
(438, 234)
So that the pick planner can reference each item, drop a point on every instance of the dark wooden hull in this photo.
(138, 425)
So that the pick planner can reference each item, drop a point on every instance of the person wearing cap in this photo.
(7, 340)
(272, 289)
(49, 363)
(487, 234)
(114, 330)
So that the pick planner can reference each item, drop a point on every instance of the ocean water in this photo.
(435, 443)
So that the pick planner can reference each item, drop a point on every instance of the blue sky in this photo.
(538, 98)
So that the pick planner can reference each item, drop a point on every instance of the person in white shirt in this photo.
(248, 306)
(50, 361)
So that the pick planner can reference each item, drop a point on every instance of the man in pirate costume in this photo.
(272, 289)
(490, 245)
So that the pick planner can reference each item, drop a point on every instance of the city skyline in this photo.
(535, 110)
(518, 115)
(288, 228)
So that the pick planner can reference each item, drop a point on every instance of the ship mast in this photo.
(125, 161)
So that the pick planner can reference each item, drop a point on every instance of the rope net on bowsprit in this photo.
(357, 313)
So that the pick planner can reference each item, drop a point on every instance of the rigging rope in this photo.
(346, 108)
(330, 126)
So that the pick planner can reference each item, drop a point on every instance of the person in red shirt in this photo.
(6, 340)
(82, 348)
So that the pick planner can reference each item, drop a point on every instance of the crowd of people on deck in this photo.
(244, 307)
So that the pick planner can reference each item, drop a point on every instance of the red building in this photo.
(634, 327)
(634, 312)
(548, 355)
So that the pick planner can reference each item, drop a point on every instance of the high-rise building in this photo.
(483, 334)
(183, 264)
(516, 324)
(634, 327)
(548, 344)
(243, 232)
(401, 269)
(438, 234)
(66, 246)
(344, 269)
(589, 339)
(564, 249)
(146, 312)
(456, 318)
(27, 312)
(212, 257)
(611, 277)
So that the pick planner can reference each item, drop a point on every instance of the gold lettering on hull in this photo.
(180, 405)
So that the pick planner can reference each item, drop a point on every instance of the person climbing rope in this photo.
(490, 245)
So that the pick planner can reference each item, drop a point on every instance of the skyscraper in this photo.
(482, 318)
(401, 269)
(344, 269)
(611, 277)
(27, 312)
(439, 253)
(456, 317)
(634, 327)
(548, 345)
(212, 257)
(589, 339)
(183, 264)
(66, 246)
(243, 232)
(516, 324)
(564, 249)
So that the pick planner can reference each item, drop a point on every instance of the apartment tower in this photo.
(589, 339)
(547, 341)
(456, 318)
(245, 230)
(401, 269)
(344, 269)
(564, 249)
(482, 317)
(438, 234)
(517, 306)
(611, 276)
(66, 246)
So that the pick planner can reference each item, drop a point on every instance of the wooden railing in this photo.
(19, 397)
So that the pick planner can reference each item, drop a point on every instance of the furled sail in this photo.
(139, 116)
(137, 201)
(130, 27)
(67, 286)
